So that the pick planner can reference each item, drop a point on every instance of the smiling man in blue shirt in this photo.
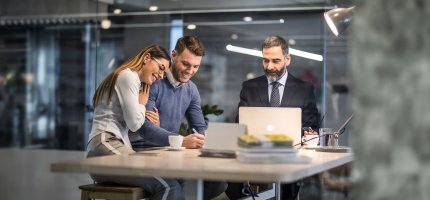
(173, 98)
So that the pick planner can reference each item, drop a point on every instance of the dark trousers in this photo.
(288, 191)
(212, 189)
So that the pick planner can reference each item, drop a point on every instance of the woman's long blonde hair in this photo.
(135, 64)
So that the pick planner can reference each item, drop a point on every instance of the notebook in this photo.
(276, 120)
(221, 139)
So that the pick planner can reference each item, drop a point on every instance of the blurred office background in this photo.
(53, 54)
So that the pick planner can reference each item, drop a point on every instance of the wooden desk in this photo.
(187, 164)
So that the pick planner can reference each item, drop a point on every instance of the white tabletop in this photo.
(188, 165)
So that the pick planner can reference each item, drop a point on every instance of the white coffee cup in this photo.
(312, 140)
(175, 141)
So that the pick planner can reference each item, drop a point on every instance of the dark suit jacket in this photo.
(297, 93)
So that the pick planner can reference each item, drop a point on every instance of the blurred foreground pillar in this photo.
(390, 58)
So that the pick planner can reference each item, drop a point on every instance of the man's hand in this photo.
(144, 94)
(308, 131)
(153, 116)
(193, 141)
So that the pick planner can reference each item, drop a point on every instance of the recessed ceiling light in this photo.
(247, 19)
(250, 76)
(291, 41)
(234, 36)
(106, 23)
(117, 11)
(153, 8)
(191, 26)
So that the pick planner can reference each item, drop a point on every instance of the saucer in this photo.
(174, 149)
(312, 147)
(336, 149)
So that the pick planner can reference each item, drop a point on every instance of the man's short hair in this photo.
(192, 44)
(275, 41)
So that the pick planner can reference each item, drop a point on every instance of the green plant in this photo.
(207, 110)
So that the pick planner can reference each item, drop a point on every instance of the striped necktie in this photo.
(275, 99)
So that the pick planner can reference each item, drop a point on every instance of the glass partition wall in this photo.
(51, 63)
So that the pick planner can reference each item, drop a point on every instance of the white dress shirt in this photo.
(123, 112)
(281, 87)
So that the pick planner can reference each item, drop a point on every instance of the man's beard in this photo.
(174, 72)
(274, 75)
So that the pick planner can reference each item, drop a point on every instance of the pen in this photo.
(195, 131)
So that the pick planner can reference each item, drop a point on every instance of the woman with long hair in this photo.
(119, 103)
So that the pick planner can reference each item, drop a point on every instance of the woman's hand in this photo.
(144, 94)
(153, 116)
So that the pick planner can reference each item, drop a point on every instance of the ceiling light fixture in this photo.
(117, 11)
(305, 54)
(258, 53)
(153, 8)
(246, 51)
(291, 41)
(191, 27)
(247, 19)
(105, 24)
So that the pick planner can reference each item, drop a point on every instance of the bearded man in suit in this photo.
(277, 83)
(278, 88)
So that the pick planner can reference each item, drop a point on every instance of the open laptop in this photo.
(221, 139)
(276, 120)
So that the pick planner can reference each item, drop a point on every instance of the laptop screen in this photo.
(223, 136)
(275, 120)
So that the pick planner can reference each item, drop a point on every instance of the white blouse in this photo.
(123, 112)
